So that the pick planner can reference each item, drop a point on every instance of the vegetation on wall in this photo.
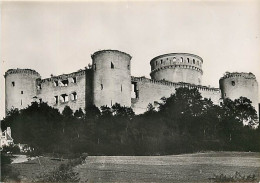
(184, 122)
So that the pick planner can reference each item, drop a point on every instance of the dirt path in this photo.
(177, 168)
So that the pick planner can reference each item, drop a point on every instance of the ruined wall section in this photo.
(234, 85)
(64, 90)
(177, 67)
(111, 78)
(145, 91)
(20, 87)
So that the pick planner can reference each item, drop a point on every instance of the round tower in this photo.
(111, 78)
(234, 85)
(20, 87)
(177, 67)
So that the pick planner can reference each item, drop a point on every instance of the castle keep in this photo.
(109, 81)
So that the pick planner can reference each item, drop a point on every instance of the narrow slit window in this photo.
(161, 61)
(193, 61)
(233, 83)
(188, 60)
(112, 65)
(56, 99)
(21, 102)
(40, 100)
(94, 67)
(101, 86)
(121, 88)
(21, 92)
(13, 83)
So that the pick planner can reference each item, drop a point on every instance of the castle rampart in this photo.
(109, 81)
(145, 91)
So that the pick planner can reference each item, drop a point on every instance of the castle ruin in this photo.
(109, 81)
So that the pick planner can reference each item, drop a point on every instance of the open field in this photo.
(197, 167)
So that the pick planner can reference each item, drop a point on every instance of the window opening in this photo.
(188, 60)
(56, 83)
(56, 99)
(128, 67)
(94, 67)
(65, 82)
(21, 102)
(174, 59)
(161, 61)
(233, 83)
(39, 86)
(193, 61)
(74, 80)
(40, 100)
(101, 86)
(181, 59)
(13, 83)
(112, 65)
(21, 92)
(134, 91)
(121, 88)
(74, 96)
(64, 98)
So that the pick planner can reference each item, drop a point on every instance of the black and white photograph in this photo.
(130, 91)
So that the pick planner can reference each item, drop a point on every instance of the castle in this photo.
(109, 81)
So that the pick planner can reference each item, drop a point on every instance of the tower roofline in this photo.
(173, 54)
(108, 50)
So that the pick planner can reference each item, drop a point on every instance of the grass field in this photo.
(197, 167)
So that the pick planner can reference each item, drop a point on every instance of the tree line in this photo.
(185, 122)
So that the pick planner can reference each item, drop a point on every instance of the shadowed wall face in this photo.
(177, 67)
(111, 78)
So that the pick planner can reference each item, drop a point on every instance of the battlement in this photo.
(176, 54)
(109, 51)
(238, 74)
(21, 71)
(177, 85)
(65, 76)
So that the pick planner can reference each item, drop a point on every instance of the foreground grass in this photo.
(198, 167)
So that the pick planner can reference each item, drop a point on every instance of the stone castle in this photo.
(109, 81)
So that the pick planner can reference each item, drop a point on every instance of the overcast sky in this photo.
(59, 37)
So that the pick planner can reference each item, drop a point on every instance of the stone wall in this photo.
(235, 85)
(177, 67)
(20, 88)
(66, 89)
(151, 91)
(111, 78)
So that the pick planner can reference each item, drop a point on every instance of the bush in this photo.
(237, 177)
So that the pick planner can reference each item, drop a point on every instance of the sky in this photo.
(59, 37)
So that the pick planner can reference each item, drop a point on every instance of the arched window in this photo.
(233, 83)
(181, 60)
(174, 59)
(188, 60)
(193, 61)
(74, 96)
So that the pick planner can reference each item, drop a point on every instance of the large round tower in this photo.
(177, 67)
(234, 85)
(111, 78)
(20, 87)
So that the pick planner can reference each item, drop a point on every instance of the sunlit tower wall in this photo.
(20, 88)
(111, 78)
(234, 85)
(177, 67)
